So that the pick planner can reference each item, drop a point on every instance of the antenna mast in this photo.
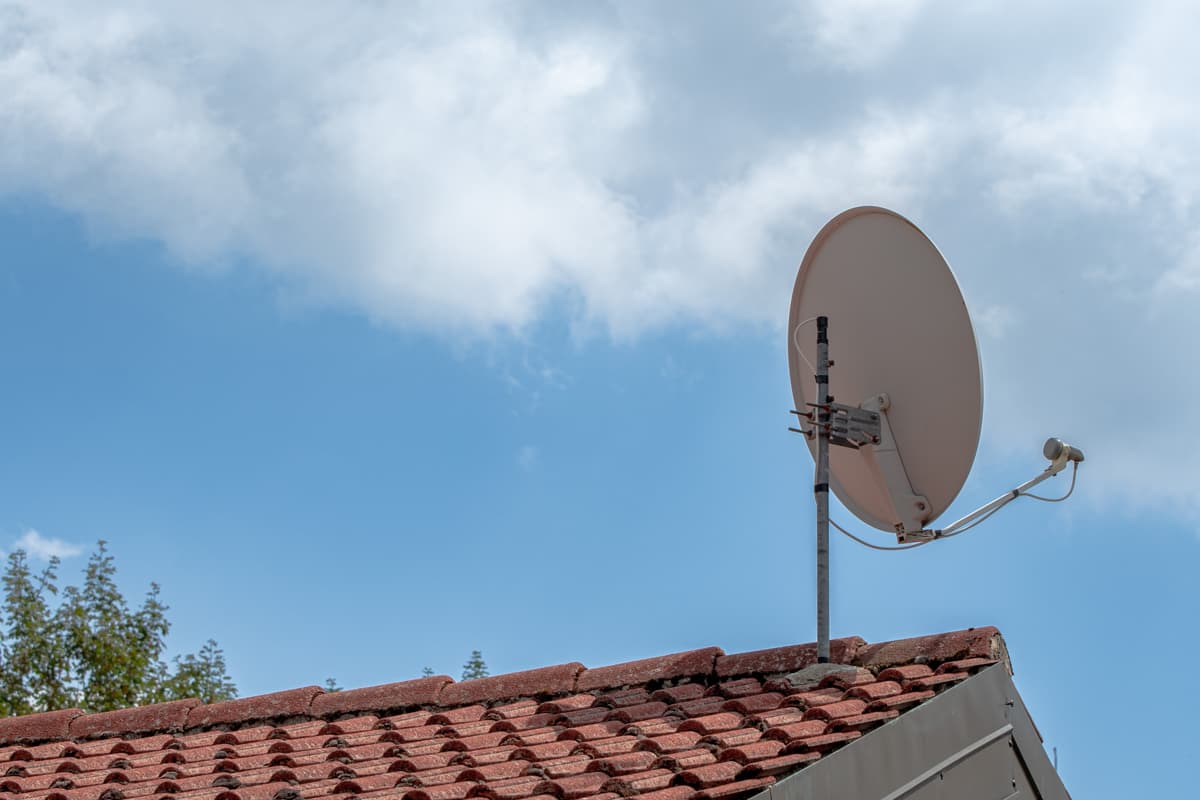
(821, 490)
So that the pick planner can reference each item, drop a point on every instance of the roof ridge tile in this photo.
(288, 703)
(688, 664)
(984, 642)
(383, 698)
(169, 716)
(789, 658)
(966, 665)
(540, 682)
(38, 727)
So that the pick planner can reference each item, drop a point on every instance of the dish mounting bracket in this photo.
(911, 509)
(851, 426)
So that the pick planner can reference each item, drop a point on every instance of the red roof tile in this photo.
(419, 692)
(698, 725)
(674, 793)
(293, 702)
(785, 659)
(38, 727)
(899, 701)
(162, 716)
(662, 668)
(546, 681)
(687, 759)
(735, 789)
(971, 643)
(778, 765)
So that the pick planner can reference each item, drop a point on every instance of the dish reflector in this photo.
(898, 326)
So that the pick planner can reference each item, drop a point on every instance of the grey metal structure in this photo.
(974, 741)
(821, 490)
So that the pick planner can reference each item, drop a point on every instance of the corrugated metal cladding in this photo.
(975, 741)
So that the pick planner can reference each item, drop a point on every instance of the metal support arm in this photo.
(911, 509)
(1063, 456)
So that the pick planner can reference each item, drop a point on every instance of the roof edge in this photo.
(709, 664)
(897, 758)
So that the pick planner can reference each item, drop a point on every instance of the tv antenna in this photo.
(908, 377)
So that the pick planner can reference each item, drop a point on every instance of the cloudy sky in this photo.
(377, 333)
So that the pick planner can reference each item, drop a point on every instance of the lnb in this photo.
(1056, 449)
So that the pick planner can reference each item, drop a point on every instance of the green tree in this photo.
(475, 667)
(87, 648)
(33, 654)
(201, 675)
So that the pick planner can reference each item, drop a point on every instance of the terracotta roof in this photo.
(700, 725)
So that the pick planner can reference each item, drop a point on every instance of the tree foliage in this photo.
(85, 647)
(475, 667)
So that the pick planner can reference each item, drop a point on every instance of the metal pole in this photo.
(821, 491)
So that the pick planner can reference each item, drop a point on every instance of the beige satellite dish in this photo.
(900, 394)
(904, 340)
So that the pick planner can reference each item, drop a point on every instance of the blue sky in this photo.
(377, 336)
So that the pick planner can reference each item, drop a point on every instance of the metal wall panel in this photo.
(975, 741)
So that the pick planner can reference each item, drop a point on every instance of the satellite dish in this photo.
(903, 401)
(904, 341)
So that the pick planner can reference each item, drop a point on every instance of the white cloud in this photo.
(1183, 277)
(724, 254)
(466, 169)
(856, 34)
(43, 548)
(449, 171)
(427, 167)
